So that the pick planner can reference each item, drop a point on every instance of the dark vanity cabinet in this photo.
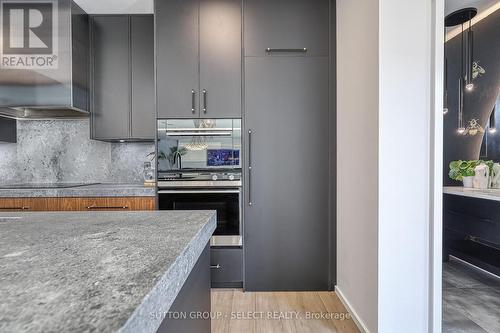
(122, 97)
(8, 130)
(198, 57)
(471, 231)
(287, 105)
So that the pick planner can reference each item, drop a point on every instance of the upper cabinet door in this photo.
(286, 27)
(143, 91)
(177, 65)
(111, 77)
(220, 59)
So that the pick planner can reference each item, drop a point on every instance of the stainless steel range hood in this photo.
(58, 88)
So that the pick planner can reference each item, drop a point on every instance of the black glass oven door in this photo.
(225, 202)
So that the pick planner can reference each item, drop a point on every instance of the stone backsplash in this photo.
(62, 151)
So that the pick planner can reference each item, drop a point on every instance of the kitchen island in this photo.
(100, 271)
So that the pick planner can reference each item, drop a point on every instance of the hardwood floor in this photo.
(261, 312)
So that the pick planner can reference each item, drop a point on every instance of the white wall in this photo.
(404, 160)
(384, 162)
(357, 156)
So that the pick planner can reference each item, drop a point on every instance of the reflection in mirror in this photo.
(490, 147)
(199, 144)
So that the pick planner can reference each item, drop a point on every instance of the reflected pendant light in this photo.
(445, 95)
(492, 128)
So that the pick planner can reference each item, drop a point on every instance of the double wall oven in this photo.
(199, 169)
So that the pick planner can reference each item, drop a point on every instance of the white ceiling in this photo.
(452, 5)
(116, 6)
(146, 6)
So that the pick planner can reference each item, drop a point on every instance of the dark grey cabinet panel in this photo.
(142, 58)
(177, 59)
(194, 297)
(111, 78)
(220, 58)
(123, 77)
(198, 58)
(226, 267)
(287, 224)
(8, 130)
(286, 24)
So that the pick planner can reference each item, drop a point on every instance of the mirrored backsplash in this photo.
(199, 144)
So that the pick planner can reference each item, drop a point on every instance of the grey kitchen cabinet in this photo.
(122, 95)
(143, 86)
(198, 58)
(286, 236)
(226, 267)
(8, 130)
(287, 27)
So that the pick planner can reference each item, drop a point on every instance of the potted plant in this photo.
(464, 170)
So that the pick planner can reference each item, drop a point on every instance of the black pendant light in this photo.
(461, 17)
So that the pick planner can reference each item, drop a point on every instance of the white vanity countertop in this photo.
(489, 194)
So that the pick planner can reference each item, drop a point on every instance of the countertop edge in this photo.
(473, 193)
(148, 316)
(91, 191)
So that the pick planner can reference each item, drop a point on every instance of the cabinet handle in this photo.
(215, 266)
(302, 50)
(250, 168)
(193, 101)
(204, 101)
(15, 208)
(107, 207)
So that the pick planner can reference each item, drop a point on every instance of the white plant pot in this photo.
(468, 181)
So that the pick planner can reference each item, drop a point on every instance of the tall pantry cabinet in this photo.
(287, 171)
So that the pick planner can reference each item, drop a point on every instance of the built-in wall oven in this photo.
(223, 197)
(199, 169)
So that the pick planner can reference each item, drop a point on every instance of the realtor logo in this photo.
(29, 34)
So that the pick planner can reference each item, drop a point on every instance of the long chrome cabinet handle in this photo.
(15, 208)
(193, 101)
(215, 266)
(302, 50)
(204, 101)
(250, 167)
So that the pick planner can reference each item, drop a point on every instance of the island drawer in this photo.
(106, 204)
(22, 204)
(77, 204)
(226, 265)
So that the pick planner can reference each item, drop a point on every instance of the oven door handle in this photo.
(198, 191)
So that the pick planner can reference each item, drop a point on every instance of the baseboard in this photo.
(362, 327)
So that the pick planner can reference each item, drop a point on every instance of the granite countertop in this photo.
(489, 194)
(96, 190)
(103, 272)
